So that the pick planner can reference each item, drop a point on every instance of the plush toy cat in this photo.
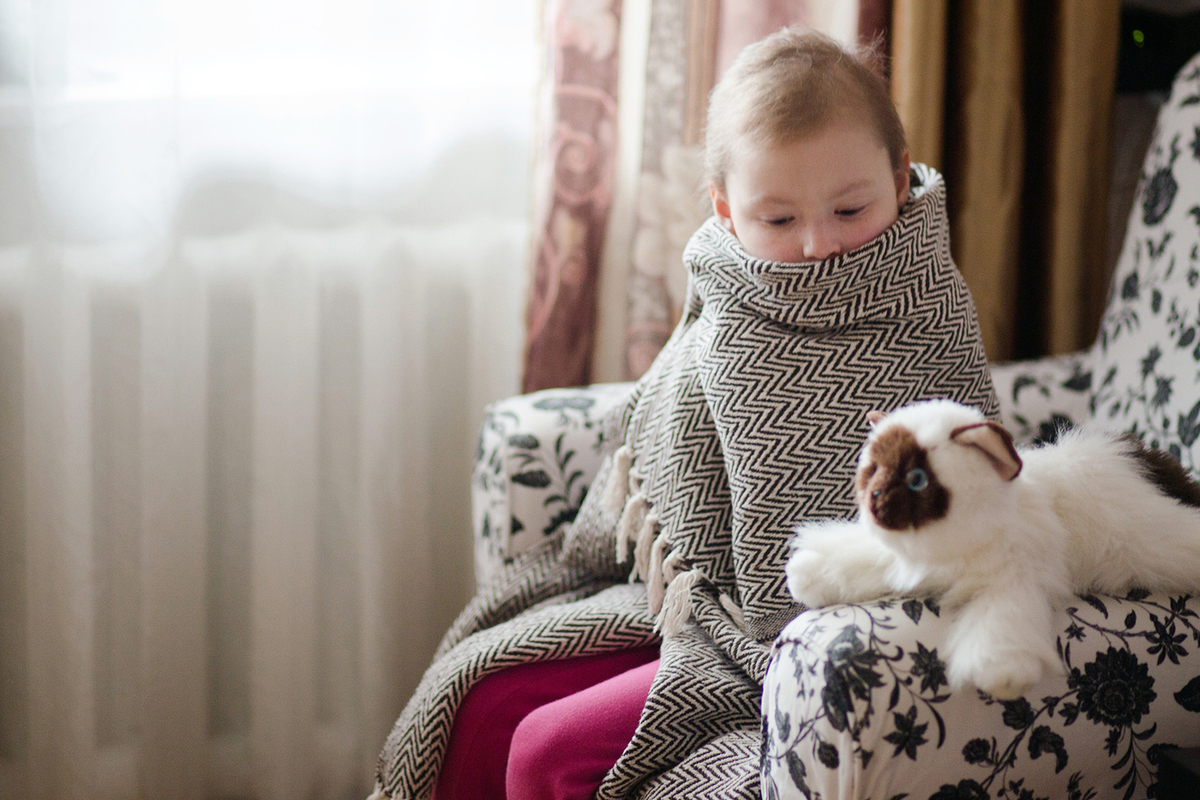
(947, 505)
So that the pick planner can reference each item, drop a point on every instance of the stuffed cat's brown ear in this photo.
(875, 416)
(995, 442)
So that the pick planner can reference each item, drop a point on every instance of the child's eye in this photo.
(849, 212)
(779, 221)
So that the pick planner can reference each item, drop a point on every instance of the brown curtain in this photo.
(1012, 100)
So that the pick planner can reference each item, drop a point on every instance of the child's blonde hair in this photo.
(791, 84)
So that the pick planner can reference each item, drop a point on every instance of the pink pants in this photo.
(546, 731)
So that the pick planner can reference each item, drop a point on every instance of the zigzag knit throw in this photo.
(783, 362)
(749, 421)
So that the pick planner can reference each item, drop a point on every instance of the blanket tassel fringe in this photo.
(618, 486)
(671, 565)
(677, 606)
(655, 582)
(634, 508)
(645, 542)
(733, 610)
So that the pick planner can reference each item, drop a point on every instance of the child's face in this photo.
(811, 198)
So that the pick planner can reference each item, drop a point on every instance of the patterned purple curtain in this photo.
(573, 174)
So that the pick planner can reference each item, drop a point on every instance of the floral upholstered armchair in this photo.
(856, 703)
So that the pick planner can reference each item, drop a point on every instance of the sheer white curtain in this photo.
(261, 266)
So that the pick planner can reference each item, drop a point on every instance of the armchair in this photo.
(855, 702)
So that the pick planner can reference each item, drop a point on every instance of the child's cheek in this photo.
(872, 229)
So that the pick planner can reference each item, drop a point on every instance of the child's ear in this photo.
(720, 205)
(902, 178)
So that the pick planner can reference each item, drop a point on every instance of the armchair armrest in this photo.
(856, 705)
(1040, 395)
(537, 456)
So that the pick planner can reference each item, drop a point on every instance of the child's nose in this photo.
(817, 244)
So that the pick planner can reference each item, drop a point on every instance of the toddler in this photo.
(805, 154)
(806, 159)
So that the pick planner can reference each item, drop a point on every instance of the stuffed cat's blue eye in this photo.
(916, 479)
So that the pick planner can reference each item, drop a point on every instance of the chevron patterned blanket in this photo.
(749, 421)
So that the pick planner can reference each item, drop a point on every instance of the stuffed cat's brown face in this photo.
(897, 485)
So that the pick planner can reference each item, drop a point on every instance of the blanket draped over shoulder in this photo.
(749, 421)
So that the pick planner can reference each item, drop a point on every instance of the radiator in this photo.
(234, 499)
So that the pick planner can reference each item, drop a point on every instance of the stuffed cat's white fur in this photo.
(1010, 538)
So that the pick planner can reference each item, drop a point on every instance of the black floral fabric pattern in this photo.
(1040, 398)
(536, 458)
(1147, 355)
(856, 699)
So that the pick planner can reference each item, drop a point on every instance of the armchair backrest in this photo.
(1146, 359)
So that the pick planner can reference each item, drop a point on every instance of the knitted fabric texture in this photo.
(749, 421)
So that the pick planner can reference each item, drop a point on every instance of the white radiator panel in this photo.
(234, 500)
